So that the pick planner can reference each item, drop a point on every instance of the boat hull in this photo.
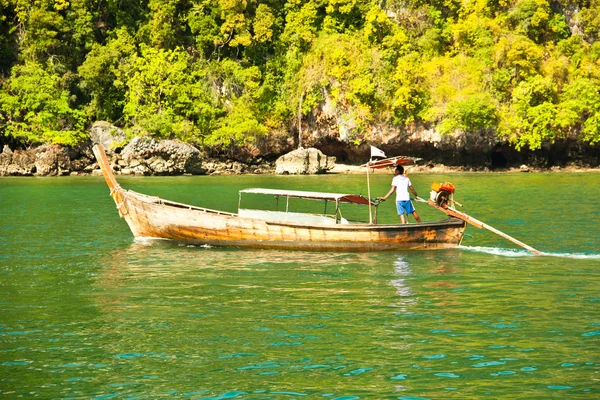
(151, 217)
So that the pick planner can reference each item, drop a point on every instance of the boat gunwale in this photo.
(160, 201)
(450, 222)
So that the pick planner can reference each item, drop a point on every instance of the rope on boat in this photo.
(122, 203)
(115, 189)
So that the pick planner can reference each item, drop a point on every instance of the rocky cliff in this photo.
(147, 156)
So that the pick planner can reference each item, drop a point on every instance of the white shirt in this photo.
(401, 183)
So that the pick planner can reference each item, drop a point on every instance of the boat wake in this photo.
(151, 241)
(497, 251)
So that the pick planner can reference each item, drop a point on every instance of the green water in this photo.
(87, 312)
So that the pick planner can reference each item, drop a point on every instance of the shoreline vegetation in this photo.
(450, 82)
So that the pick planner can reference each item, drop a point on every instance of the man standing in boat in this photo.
(401, 184)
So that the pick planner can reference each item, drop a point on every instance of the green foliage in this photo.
(166, 95)
(224, 73)
(44, 26)
(301, 24)
(263, 24)
(409, 97)
(519, 54)
(38, 109)
(7, 36)
(473, 33)
(104, 75)
(339, 70)
(240, 127)
(238, 91)
(451, 79)
(203, 21)
(474, 113)
(165, 25)
(536, 19)
(531, 118)
(590, 19)
(579, 109)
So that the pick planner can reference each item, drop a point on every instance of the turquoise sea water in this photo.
(88, 312)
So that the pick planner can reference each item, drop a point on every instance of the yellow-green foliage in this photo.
(36, 107)
(226, 72)
(454, 83)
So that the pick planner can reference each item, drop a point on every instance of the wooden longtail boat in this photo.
(153, 217)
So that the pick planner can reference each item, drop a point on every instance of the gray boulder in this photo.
(145, 156)
(107, 135)
(304, 161)
(5, 160)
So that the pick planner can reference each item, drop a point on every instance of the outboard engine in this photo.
(442, 194)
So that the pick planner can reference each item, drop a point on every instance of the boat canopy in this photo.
(391, 162)
(337, 197)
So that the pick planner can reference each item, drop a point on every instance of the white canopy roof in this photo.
(342, 198)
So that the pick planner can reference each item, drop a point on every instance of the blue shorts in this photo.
(405, 205)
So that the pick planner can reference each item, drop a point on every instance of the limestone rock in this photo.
(5, 160)
(107, 135)
(304, 161)
(18, 162)
(52, 160)
(145, 156)
(524, 168)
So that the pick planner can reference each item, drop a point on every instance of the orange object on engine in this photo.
(448, 187)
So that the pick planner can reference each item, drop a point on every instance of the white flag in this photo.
(375, 152)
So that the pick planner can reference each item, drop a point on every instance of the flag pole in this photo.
(375, 152)
(369, 191)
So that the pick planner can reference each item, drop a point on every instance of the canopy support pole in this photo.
(369, 193)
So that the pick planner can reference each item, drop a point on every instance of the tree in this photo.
(474, 113)
(579, 109)
(167, 95)
(37, 108)
(103, 75)
(531, 119)
(8, 37)
(238, 89)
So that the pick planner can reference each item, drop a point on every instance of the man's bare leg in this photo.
(416, 216)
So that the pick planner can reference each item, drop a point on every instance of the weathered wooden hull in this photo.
(151, 217)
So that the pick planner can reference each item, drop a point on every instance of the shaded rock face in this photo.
(145, 156)
(52, 160)
(46, 160)
(458, 148)
(304, 161)
(17, 163)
